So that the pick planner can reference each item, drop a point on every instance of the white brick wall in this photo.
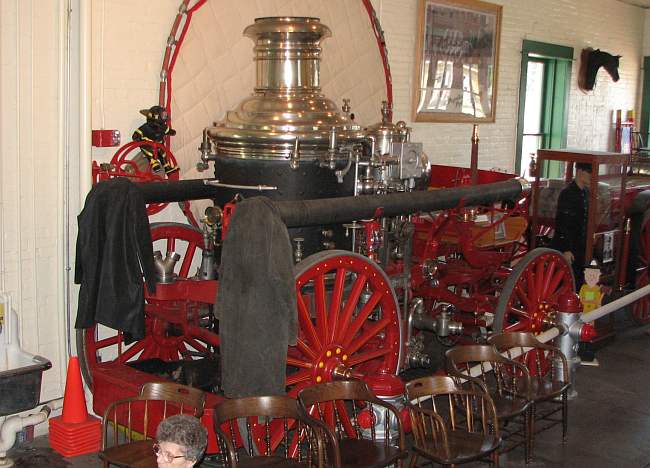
(606, 24)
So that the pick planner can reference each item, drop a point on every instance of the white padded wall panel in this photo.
(31, 191)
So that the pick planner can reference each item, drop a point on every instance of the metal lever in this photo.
(294, 158)
(205, 148)
(259, 188)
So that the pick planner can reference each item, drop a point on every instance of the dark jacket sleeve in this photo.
(566, 215)
(141, 237)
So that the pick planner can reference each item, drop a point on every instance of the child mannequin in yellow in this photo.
(590, 293)
(591, 297)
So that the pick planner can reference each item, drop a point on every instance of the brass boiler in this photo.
(286, 134)
(287, 103)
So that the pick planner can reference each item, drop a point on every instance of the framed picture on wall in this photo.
(457, 60)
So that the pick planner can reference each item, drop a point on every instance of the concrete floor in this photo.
(609, 421)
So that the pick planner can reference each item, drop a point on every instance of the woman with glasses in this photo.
(181, 442)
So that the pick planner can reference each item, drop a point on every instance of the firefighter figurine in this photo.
(155, 129)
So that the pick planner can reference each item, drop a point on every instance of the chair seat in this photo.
(269, 462)
(137, 454)
(508, 406)
(366, 453)
(544, 389)
(463, 447)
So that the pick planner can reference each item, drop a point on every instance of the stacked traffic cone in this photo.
(75, 432)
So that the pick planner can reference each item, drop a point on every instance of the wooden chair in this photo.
(338, 405)
(134, 422)
(297, 440)
(451, 425)
(549, 376)
(180, 394)
(506, 381)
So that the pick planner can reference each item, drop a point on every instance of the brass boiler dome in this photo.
(287, 102)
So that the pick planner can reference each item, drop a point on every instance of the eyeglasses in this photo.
(166, 456)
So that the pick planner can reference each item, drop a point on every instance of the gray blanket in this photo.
(256, 302)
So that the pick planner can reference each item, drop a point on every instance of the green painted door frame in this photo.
(557, 78)
(645, 103)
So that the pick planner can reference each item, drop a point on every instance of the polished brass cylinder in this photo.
(287, 53)
(286, 117)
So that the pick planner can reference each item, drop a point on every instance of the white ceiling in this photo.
(639, 3)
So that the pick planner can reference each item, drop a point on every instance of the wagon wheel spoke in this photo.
(187, 260)
(304, 349)
(321, 308)
(131, 352)
(530, 283)
(335, 305)
(305, 321)
(299, 363)
(298, 377)
(365, 312)
(521, 294)
(555, 283)
(346, 422)
(171, 244)
(110, 341)
(365, 337)
(196, 345)
(350, 304)
(520, 313)
(360, 358)
(522, 325)
(548, 277)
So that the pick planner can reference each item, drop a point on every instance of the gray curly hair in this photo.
(186, 431)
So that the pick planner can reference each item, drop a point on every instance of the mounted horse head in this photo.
(591, 61)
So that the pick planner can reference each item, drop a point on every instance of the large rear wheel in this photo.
(349, 325)
(173, 327)
(529, 299)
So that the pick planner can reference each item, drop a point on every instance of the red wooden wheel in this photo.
(348, 316)
(529, 299)
(172, 326)
(641, 308)
(349, 321)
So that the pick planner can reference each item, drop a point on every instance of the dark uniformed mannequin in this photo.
(570, 236)
(155, 129)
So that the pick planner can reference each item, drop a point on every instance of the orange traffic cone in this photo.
(74, 400)
(75, 432)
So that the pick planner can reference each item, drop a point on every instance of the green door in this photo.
(543, 103)
(644, 131)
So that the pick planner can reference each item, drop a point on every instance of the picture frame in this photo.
(457, 61)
